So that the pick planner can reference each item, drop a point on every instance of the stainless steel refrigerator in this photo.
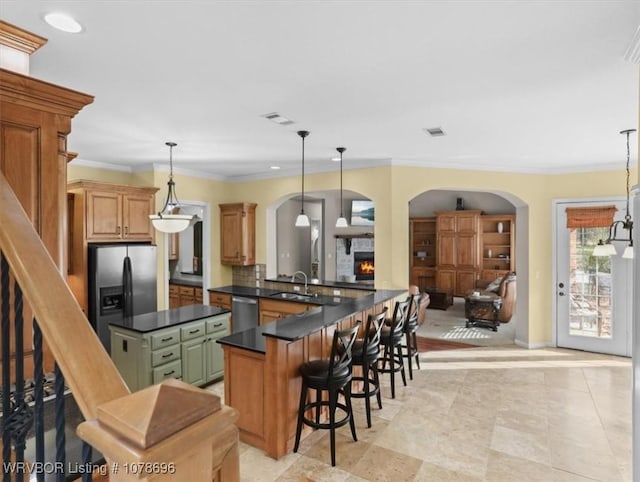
(122, 283)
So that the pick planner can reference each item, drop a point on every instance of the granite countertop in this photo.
(157, 320)
(358, 285)
(300, 325)
(186, 282)
(268, 293)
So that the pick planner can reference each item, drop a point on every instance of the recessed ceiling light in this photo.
(434, 131)
(278, 119)
(275, 168)
(63, 22)
(335, 159)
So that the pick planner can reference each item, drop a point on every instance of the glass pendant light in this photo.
(166, 221)
(302, 221)
(607, 248)
(342, 221)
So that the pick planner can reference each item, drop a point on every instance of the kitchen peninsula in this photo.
(261, 366)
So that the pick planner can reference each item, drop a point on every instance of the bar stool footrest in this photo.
(325, 403)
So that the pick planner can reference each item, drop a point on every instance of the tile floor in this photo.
(480, 414)
(449, 325)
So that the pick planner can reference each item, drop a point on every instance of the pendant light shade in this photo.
(302, 221)
(166, 221)
(607, 248)
(342, 221)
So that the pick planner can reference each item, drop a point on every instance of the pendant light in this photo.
(607, 248)
(302, 221)
(166, 221)
(342, 221)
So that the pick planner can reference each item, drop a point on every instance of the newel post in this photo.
(169, 431)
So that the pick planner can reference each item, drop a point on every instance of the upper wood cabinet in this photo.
(237, 234)
(114, 212)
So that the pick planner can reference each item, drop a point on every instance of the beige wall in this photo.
(391, 188)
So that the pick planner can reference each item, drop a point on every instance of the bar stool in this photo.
(365, 352)
(391, 338)
(334, 376)
(410, 348)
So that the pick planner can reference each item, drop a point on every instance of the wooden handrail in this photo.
(87, 368)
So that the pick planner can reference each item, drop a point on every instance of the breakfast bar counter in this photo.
(261, 366)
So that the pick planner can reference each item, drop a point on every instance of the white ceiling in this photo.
(525, 86)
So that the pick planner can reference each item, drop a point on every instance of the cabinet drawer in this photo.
(187, 291)
(174, 290)
(218, 325)
(220, 299)
(166, 338)
(158, 357)
(170, 370)
(192, 331)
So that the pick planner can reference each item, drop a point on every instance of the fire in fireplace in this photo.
(363, 265)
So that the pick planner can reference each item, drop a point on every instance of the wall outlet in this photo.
(336, 292)
(296, 288)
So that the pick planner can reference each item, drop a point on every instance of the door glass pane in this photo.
(590, 285)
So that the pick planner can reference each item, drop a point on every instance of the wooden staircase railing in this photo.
(114, 415)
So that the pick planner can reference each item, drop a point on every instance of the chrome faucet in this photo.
(306, 287)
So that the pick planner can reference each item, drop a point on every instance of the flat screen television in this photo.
(362, 212)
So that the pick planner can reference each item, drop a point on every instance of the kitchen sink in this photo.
(286, 295)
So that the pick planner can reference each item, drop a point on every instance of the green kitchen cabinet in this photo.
(187, 351)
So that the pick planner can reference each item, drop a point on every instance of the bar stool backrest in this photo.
(374, 326)
(343, 341)
(412, 311)
(399, 318)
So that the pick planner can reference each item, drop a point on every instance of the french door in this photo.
(593, 294)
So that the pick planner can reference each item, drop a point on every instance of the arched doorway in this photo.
(449, 323)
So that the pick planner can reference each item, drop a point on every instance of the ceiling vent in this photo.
(434, 131)
(278, 119)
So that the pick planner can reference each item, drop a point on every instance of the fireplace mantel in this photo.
(348, 237)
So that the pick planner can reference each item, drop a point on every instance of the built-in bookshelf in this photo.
(498, 245)
(422, 232)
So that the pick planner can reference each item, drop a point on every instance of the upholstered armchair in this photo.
(492, 305)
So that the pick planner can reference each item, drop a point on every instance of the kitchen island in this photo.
(177, 343)
(261, 366)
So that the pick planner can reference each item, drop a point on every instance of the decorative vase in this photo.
(500, 227)
(489, 253)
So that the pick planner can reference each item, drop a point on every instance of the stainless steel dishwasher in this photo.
(244, 313)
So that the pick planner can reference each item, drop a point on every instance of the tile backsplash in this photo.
(249, 275)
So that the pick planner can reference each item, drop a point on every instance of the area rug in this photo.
(431, 344)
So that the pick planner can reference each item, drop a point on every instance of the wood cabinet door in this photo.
(467, 252)
(467, 223)
(135, 217)
(231, 236)
(174, 246)
(465, 281)
(446, 222)
(447, 249)
(104, 216)
(267, 316)
(446, 281)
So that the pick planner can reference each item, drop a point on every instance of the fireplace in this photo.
(363, 265)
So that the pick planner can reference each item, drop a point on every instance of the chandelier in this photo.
(167, 220)
(607, 248)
